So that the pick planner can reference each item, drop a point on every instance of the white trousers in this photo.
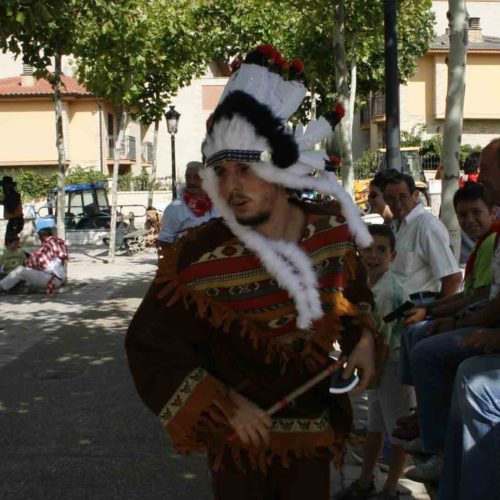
(38, 279)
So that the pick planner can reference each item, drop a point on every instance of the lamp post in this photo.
(393, 154)
(172, 117)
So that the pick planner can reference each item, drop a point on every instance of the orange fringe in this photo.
(327, 331)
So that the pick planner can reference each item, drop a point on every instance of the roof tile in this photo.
(12, 87)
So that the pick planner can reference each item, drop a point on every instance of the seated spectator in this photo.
(471, 167)
(390, 400)
(152, 225)
(45, 268)
(376, 200)
(12, 256)
(471, 451)
(424, 262)
(477, 218)
(435, 359)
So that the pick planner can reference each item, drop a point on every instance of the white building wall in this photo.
(487, 10)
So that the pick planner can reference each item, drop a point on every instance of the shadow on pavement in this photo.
(73, 425)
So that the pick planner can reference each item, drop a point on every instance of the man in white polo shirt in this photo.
(424, 262)
(192, 208)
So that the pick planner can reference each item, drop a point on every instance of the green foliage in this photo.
(466, 149)
(432, 146)
(39, 29)
(78, 175)
(174, 53)
(129, 182)
(366, 166)
(35, 186)
(24, 18)
(304, 29)
(139, 53)
(414, 137)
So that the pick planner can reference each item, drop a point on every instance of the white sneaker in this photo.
(429, 471)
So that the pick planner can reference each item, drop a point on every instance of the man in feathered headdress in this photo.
(246, 308)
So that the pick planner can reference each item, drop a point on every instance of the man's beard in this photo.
(256, 220)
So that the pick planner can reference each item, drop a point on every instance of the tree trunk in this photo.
(452, 132)
(152, 180)
(353, 86)
(343, 91)
(114, 188)
(61, 159)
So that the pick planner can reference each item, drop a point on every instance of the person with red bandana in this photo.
(192, 208)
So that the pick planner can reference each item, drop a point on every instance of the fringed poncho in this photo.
(214, 318)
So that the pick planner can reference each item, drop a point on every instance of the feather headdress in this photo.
(249, 125)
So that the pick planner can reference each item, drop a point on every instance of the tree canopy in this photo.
(305, 29)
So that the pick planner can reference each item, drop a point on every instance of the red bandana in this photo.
(200, 205)
(495, 228)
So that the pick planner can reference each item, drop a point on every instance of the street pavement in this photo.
(72, 425)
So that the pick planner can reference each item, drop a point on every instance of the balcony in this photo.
(127, 151)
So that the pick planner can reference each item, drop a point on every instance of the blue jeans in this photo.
(409, 339)
(434, 362)
(472, 455)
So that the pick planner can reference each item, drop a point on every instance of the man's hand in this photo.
(486, 340)
(442, 325)
(414, 316)
(250, 423)
(363, 358)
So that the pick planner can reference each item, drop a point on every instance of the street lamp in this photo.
(172, 117)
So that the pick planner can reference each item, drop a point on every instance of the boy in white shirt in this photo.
(390, 399)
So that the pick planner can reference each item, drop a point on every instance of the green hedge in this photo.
(36, 186)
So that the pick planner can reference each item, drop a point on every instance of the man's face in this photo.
(376, 200)
(489, 174)
(400, 200)
(251, 199)
(378, 257)
(475, 218)
(193, 181)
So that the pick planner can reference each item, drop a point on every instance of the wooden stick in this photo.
(304, 388)
(292, 396)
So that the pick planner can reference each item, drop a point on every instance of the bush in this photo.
(412, 138)
(127, 182)
(366, 166)
(35, 186)
(465, 151)
(124, 182)
(78, 175)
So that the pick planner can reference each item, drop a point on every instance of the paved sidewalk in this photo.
(73, 425)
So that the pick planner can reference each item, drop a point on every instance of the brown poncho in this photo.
(215, 318)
